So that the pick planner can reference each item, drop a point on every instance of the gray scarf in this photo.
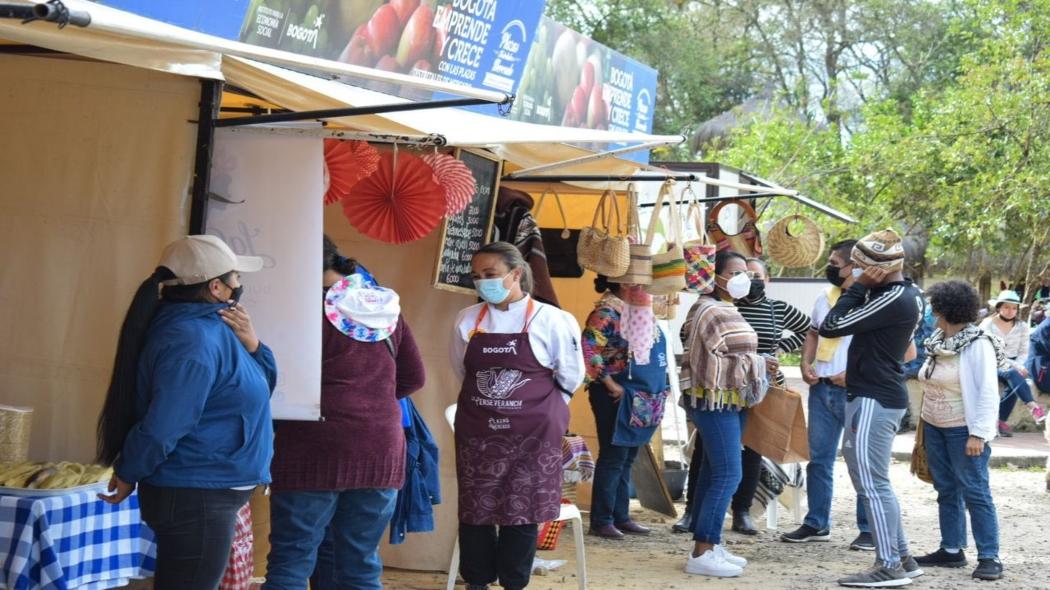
(937, 345)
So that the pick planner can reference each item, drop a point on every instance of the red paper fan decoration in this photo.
(397, 203)
(346, 163)
(456, 178)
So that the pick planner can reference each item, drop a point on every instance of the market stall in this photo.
(112, 149)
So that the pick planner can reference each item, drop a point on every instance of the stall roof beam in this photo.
(356, 111)
(753, 191)
(433, 140)
(590, 158)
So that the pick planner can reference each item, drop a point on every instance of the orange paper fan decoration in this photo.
(400, 202)
(457, 180)
(346, 163)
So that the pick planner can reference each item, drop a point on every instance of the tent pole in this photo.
(211, 95)
(588, 158)
(357, 111)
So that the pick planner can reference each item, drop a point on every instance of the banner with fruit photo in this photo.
(480, 43)
(573, 81)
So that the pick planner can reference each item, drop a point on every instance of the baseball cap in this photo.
(197, 259)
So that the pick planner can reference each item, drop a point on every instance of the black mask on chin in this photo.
(236, 293)
(832, 273)
(758, 290)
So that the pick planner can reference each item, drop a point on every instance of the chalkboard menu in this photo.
(471, 229)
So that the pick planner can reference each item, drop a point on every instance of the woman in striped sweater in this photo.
(723, 374)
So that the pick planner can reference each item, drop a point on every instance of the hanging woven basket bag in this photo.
(798, 248)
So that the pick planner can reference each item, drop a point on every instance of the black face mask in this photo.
(833, 275)
(236, 294)
(758, 290)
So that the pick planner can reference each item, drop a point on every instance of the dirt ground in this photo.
(656, 562)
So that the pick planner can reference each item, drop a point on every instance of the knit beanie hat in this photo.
(882, 248)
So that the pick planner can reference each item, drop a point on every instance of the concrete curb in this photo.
(1019, 462)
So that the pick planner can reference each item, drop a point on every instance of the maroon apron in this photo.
(510, 421)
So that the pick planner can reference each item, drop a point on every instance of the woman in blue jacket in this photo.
(187, 415)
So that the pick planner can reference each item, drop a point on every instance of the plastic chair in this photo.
(773, 510)
(569, 512)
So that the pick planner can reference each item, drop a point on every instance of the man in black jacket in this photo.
(881, 310)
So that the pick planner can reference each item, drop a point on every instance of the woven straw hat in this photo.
(795, 251)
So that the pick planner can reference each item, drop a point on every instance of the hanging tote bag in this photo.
(699, 253)
(560, 244)
(599, 250)
(748, 242)
(640, 269)
(669, 265)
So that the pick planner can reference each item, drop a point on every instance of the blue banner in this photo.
(573, 81)
(221, 18)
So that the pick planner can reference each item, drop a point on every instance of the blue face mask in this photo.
(492, 290)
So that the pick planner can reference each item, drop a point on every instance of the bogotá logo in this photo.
(511, 347)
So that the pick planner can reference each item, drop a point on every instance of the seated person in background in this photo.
(1007, 325)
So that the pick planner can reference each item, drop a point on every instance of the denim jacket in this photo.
(414, 508)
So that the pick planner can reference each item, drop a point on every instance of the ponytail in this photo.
(335, 261)
(118, 412)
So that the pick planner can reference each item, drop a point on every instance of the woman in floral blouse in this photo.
(626, 363)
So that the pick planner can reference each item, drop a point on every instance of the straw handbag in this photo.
(599, 250)
(640, 269)
(699, 253)
(791, 250)
(920, 465)
(669, 265)
(748, 242)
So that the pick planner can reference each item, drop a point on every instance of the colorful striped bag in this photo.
(669, 265)
(699, 253)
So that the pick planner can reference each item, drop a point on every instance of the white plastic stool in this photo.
(569, 512)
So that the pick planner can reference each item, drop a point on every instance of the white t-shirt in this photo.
(553, 333)
(837, 364)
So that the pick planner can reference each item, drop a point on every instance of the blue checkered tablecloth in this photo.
(72, 541)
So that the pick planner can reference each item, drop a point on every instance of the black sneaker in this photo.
(863, 542)
(988, 569)
(806, 534)
(941, 558)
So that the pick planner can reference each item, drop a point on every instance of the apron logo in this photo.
(511, 347)
(499, 424)
(498, 384)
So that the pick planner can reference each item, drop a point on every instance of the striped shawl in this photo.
(721, 357)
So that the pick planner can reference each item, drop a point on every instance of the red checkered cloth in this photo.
(239, 569)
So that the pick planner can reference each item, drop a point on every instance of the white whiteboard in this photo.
(281, 181)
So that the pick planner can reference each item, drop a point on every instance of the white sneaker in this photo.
(724, 553)
(712, 564)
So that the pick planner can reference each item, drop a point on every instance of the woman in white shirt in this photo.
(520, 361)
(1015, 334)
(960, 400)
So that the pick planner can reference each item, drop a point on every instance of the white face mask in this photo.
(738, 286)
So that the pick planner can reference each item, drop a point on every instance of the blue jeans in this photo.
(720, 473)
(827, 416)
(610, 494)
(1015, 386)
(871, 428)
(299, 520)
(962, 481)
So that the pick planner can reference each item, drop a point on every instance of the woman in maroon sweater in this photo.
(344, 471)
